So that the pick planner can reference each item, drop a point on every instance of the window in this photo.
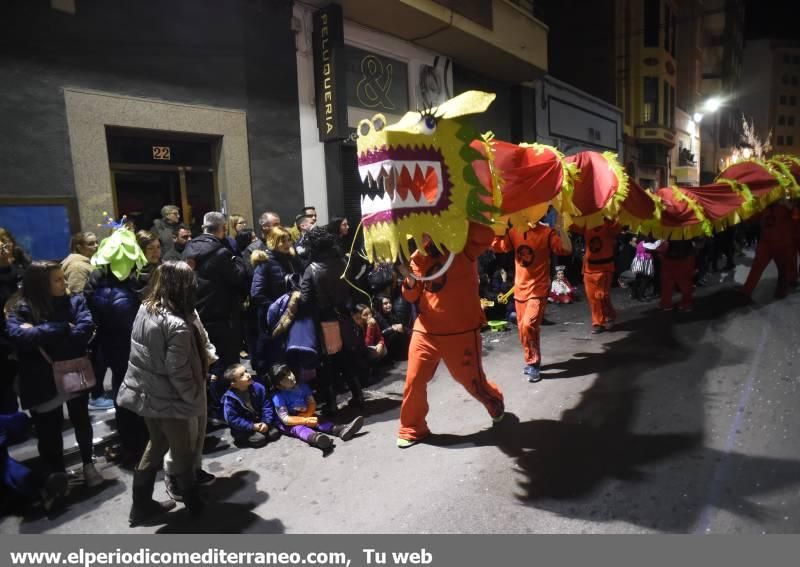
(781, 120)
(792, 101)
(785, 79)
(650, 107)
(672, 107)
(789, 140)
(673, 27)
(667, 18)
(794, 80)
(787, 58)
(665, 120)
(780, 140)
(795, 59)
(782, 99)
(651, 22)
(790, 121)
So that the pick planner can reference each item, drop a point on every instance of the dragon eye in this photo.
(428, 124)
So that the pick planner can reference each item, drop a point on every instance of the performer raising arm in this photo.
(532, 247)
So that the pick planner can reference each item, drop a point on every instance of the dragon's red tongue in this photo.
(419, 183)
(415, 184)
(404, 183)
(431, 187)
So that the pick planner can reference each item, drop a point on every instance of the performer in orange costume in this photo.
(598, 272)
(532, 250)
(447, 328)
(775, 243)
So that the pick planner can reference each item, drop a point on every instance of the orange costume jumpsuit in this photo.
(447, 328)
(775, 243)
(598, 271)
(532, 250)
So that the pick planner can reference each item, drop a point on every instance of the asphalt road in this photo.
(672, 423)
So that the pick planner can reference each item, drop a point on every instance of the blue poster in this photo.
(43, 231)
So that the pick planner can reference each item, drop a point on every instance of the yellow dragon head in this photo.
(418, 179)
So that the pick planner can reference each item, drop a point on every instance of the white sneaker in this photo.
(91, 477)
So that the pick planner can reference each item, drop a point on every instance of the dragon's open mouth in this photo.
(398, 181)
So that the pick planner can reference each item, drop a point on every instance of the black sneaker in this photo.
(203, 478)
(321, 441)
(345, 432)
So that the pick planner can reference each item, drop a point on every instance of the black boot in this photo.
(187, 484)
(321, 441)
(346, 431)
(357, 395)
(144, 507)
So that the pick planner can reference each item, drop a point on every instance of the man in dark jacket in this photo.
(180, 238)
(220, 287)
(266, 221)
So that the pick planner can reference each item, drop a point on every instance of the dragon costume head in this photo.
(418, 179)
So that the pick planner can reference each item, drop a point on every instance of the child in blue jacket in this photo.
(248, 409)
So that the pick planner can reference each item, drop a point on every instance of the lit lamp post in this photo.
(710, 106)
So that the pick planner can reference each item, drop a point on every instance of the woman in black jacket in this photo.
(43, 320)
(326, 297)
(276, 272)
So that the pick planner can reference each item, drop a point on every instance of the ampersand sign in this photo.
(373, 88)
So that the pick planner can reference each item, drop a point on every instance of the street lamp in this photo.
(712, 104)
(708, 107)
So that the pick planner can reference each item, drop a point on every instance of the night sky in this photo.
(776, 19)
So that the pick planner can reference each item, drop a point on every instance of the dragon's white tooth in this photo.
(363, 172)
(375, 169)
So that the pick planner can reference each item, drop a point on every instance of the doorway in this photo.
(151, 169)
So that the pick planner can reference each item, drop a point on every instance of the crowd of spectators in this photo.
(265, 306)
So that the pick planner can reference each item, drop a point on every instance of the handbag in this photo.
(73, 375)
(332, 335)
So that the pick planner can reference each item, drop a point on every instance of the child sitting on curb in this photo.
(248, 409)
(296, 410)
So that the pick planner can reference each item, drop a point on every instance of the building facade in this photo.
(626, 56)
(195, 104)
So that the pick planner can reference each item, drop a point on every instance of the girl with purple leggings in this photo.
(296, 409)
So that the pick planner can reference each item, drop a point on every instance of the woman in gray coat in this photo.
(166, 385)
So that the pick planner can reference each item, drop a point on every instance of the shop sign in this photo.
(329, 76)
(376, 82)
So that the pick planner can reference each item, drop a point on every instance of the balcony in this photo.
(498, 38)
(655, 134)
(687, 174)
